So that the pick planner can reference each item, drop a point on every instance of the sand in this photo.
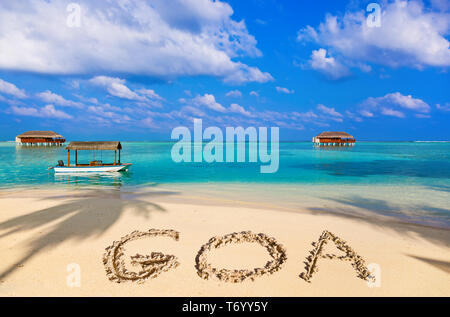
(172, 242)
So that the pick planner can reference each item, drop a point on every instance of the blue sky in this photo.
(133, 70)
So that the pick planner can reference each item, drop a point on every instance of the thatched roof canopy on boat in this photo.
(40, 134)
(333, 135)
(95, 146)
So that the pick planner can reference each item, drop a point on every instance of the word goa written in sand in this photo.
(156, 263)
(213, 151)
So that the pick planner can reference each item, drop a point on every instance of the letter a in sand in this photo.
(350, 255)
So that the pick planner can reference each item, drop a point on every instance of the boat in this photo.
(96, 165)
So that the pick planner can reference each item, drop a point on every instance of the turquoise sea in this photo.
(399, 163)
(407, 180)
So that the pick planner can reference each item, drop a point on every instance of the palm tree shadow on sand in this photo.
(441, 265)
(84, 215)
(368, 210)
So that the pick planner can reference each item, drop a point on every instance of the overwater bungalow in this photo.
(40, 138)
(334, 139)
(96, 157)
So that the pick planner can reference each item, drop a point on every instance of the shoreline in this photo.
(383, 204)
(43, 231)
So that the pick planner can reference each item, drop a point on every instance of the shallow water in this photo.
(412, 163)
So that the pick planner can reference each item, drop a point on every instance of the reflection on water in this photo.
(115, 179)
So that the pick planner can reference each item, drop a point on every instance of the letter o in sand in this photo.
(276, 251)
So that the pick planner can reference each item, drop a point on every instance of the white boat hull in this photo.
(91, 169)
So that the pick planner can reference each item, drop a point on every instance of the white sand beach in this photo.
(47, 234)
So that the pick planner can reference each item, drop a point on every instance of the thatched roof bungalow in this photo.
(330, 138)
(42, 138)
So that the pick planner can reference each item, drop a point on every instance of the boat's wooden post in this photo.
(68, 157)
(115, 156)
(119, 156)
(76, 157)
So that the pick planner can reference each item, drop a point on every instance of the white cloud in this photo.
(234, 93)
(107, 112)
(310, 115)
(148, 122)
(243, 73)
(445, 107)
(422, 116)
(392, 112)
(284, 90)
(205, 107)
(316, 119)
(327, 65)
(130, 36)
(366, 113)
(289, 125)
(389, 105)
(193, 111)
(239, 109)
(393, 100)
(410, 35)
(14, 102)
(74, 84)
(353, 116)
(334, 115)
(407, 102)
(116, 87)
(11, 89)
(47, 111)
(150, 93)
(50, 97)
(208, 101)
(254, 93)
